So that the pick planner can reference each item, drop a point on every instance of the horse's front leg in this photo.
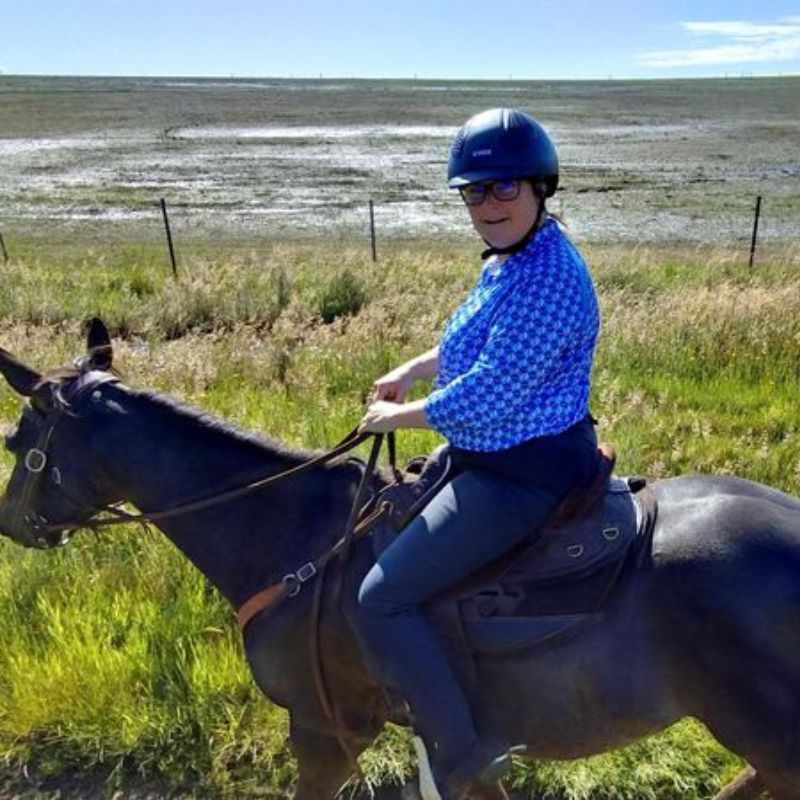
(323, 766)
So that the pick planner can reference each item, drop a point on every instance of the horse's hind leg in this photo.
(774, 755)
(765, 730)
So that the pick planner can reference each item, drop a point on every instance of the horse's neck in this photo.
(171, 455)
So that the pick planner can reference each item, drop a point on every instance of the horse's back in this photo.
(723, 518)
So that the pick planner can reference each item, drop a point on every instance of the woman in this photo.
(511, 396)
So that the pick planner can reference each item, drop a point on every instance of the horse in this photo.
(708, 625)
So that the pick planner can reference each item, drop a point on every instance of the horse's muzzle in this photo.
(29, 530)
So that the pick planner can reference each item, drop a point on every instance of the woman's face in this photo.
(503, 223)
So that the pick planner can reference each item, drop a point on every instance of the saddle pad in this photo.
(583, 545)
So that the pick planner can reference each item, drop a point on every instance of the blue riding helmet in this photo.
(502, 144)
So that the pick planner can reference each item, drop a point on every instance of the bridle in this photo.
(37, 458)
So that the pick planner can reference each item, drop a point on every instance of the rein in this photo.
(349, 442)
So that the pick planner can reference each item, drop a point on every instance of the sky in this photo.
(458, 39)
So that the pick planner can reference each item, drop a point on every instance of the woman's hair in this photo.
(539, 185)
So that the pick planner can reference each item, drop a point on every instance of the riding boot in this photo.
(486, 763)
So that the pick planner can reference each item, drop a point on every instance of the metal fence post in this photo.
(755, 231)
(169, 238)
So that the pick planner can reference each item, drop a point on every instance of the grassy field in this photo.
(120, 668)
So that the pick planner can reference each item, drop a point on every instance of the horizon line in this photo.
(407, 79)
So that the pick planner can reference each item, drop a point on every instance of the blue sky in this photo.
(401, 38)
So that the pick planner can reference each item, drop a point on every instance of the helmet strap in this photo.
(523, 242)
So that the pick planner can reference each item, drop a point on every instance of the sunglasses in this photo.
(473, 194)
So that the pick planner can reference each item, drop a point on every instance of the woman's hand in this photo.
(385, 417)
(393, 386)
(381, 417)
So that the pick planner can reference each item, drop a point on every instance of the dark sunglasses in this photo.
(473, 194)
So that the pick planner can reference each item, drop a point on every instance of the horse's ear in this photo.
(20, 378)
(98, 344)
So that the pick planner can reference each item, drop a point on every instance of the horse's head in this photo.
(55, 484)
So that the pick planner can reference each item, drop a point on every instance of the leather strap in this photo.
(259, 602)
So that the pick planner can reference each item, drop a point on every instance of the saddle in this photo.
(556, 583)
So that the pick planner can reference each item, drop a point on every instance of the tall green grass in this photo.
(117, 659)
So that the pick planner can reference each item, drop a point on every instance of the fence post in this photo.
(372, 229)
(3, 249)
(755, 231)
(169, 238)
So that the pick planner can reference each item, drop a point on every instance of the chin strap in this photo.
(522, 243)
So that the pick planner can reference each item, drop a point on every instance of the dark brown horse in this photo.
(708, 626)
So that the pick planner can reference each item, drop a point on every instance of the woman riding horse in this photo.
(511, 397)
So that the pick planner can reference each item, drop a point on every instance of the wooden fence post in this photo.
(372, 230)
(3, 249)
(169, 238)
(755, 231)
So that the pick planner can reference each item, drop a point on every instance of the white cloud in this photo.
(731, 42)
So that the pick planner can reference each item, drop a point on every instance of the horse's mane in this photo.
(206, 421)
(58, 375)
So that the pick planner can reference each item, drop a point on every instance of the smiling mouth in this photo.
(495, 221)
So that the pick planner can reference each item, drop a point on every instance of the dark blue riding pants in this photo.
(475, 518)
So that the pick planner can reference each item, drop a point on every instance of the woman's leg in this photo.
(473, 519)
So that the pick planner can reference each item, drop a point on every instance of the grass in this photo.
(117, 660)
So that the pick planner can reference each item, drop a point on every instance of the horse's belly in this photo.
(598, 689)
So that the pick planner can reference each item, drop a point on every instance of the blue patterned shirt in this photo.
(516, 356)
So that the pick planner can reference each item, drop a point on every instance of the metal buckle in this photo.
(294, 580)
(35, 460)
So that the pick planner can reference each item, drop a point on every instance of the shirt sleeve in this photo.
(534, 323)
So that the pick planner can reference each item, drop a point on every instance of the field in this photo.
(119, 669)
(655, 161)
